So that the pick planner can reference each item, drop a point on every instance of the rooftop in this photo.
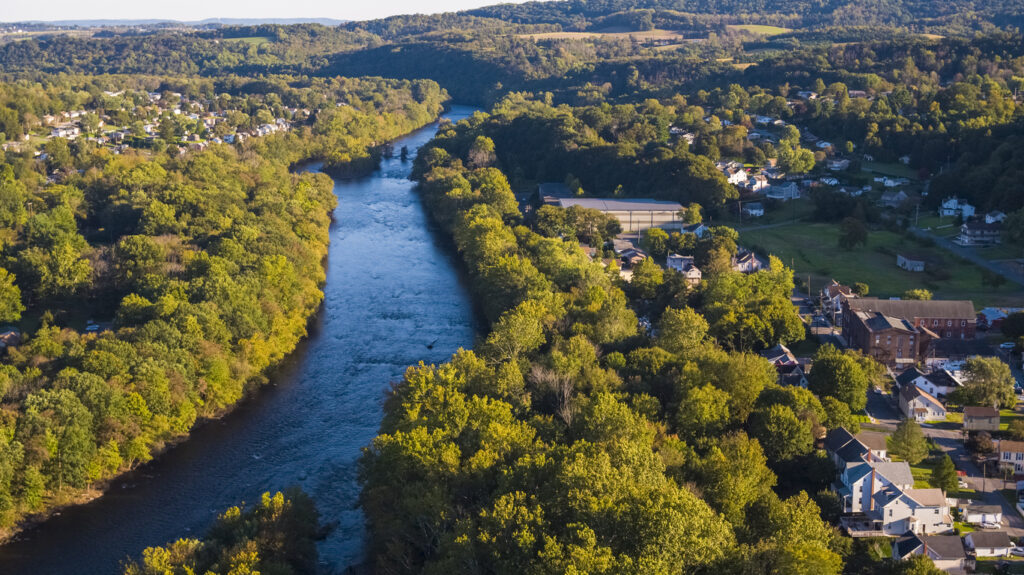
(945, 546)
(990, 539)
(875, 440)
(621, 205)
(909, 308)
(980, 412)
(931, 497)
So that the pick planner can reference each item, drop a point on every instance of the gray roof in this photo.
(837, 438)
(880, 322)
(943, 378)
(906, 308)
(932, 497)
(990, 539)
(897, 472)
(553, 189)
(945, 546)
(875, 440)
(620, 205)
(906, 545)
(853, 451)
(983, 508)
(908, 376)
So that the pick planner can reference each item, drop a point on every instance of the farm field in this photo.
(610, 33)
(760, 29)
(812, 249)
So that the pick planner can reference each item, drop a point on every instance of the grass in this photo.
(1005, 417)
(922, 473)
(962, 528)
(760, 29)
(894, 169)
(991, 565)
(252, 40)
(955, 416)
(812, 249)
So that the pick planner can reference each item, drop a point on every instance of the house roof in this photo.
(777, 353)
(990, 539)
(943, 378)
(931, 497)
(908, 376)
(874, 440)
(951, 347)
(837, 438)
(980, 412)
(904, 308)
(881, 322)
(906, 545)
(1011, 446)
(835, 288)
(852, 451)
(945, 546)
(912, 392)
(983, 508)
(897, 472)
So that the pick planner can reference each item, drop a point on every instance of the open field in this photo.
(812, 249)
(759, 29)
(646, 35)
(890, 169)
(253, 40)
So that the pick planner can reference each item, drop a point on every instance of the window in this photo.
(949, 333)
(949, 323)
(899, 352)
(963, 323)
(935, 323)
(1006, 455)
(878, 339)
(888, 340)
(1020, 457)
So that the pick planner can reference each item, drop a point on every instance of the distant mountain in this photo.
(197, 23)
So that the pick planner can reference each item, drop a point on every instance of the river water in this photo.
(393, 298)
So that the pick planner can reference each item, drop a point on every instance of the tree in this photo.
(647, 277)
(980, 442)
(909, 443)
(10, 298)
(839, 375)
(703, 415)
(781, 433)
(838, 414)
(655, 241)
(852, 233)
(917, 294)
(517, 331)
(988, 382)
(1016, 429)
(682, 331)
(1013, 325)
(692, 214)
(861, 289)
(944, 475)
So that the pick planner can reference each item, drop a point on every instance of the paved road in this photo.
(885, 417)
(970, 255)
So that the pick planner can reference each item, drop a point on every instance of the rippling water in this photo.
(391, 292)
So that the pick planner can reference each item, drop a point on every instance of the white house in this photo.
(978, 514)
(956, 207)
(1011, 455)
(736, 176)
(784, 192)
(754, 209)
(920, 405)
(994, 217)
(923, 511)
(756, 183)
(989, 543)
(945, 551)
(862, 481)
(838, 165)
(685, 266)
(699, 230)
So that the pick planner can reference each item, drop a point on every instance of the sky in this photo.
(188, 10)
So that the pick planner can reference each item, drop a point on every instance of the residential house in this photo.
(700, 230)
(920, 405)
(924, 511)
(950, 354)
(756, 183)
(833, 297)
(754, 209)
(956, 207)
(877, 442)
(685, 266)
(939, 383)
(977, 233)
(862, 480)
(746, 262)
(632, 256)
(783, 192)
(779, 355)
(829, 181)
(838, 165)
(792, 376)
(989, 543)
(873, 325)
(845, 449)
(992, 317)
(823, 145)
(945, 551)
(994, 217)
(807, 95)
(910, 263)
(977, 514)
(736, 175)
(1011, 456)
(893, 199)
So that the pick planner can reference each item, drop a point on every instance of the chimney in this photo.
(871, 500)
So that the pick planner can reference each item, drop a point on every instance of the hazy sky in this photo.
(21, 10)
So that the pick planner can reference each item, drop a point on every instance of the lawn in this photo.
(990, 565)
(811, 249)
(1005, 417)
(894, 169)
(955, 416)
(760, 29)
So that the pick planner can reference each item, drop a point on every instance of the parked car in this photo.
(1017, 551)
(1007, 345)
(961, 484)
(990, 525)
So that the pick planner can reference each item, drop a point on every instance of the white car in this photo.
(1017, 551)
(1008, 345)
(961, 484)
(991, 525)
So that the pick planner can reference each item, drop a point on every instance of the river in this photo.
(393, 297)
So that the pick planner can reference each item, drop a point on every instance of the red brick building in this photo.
(898, 332)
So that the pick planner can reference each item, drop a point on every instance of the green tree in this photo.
(783, 435)
(918, 294)
(860, 288)
(1013, 325)
(682, 331)
(988, 382)
(944, 475)
(10, 298)
(852, 233)
(839, 375)
(655, 241)
(647, 278)
(909, 443)
(692, 214)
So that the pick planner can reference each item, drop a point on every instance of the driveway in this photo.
(970, 255)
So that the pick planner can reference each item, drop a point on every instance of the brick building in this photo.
(897, 332)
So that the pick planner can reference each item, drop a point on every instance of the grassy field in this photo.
(812, 249)
(890, 169)
(760, 29)
(253, 40)
(610, 33)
